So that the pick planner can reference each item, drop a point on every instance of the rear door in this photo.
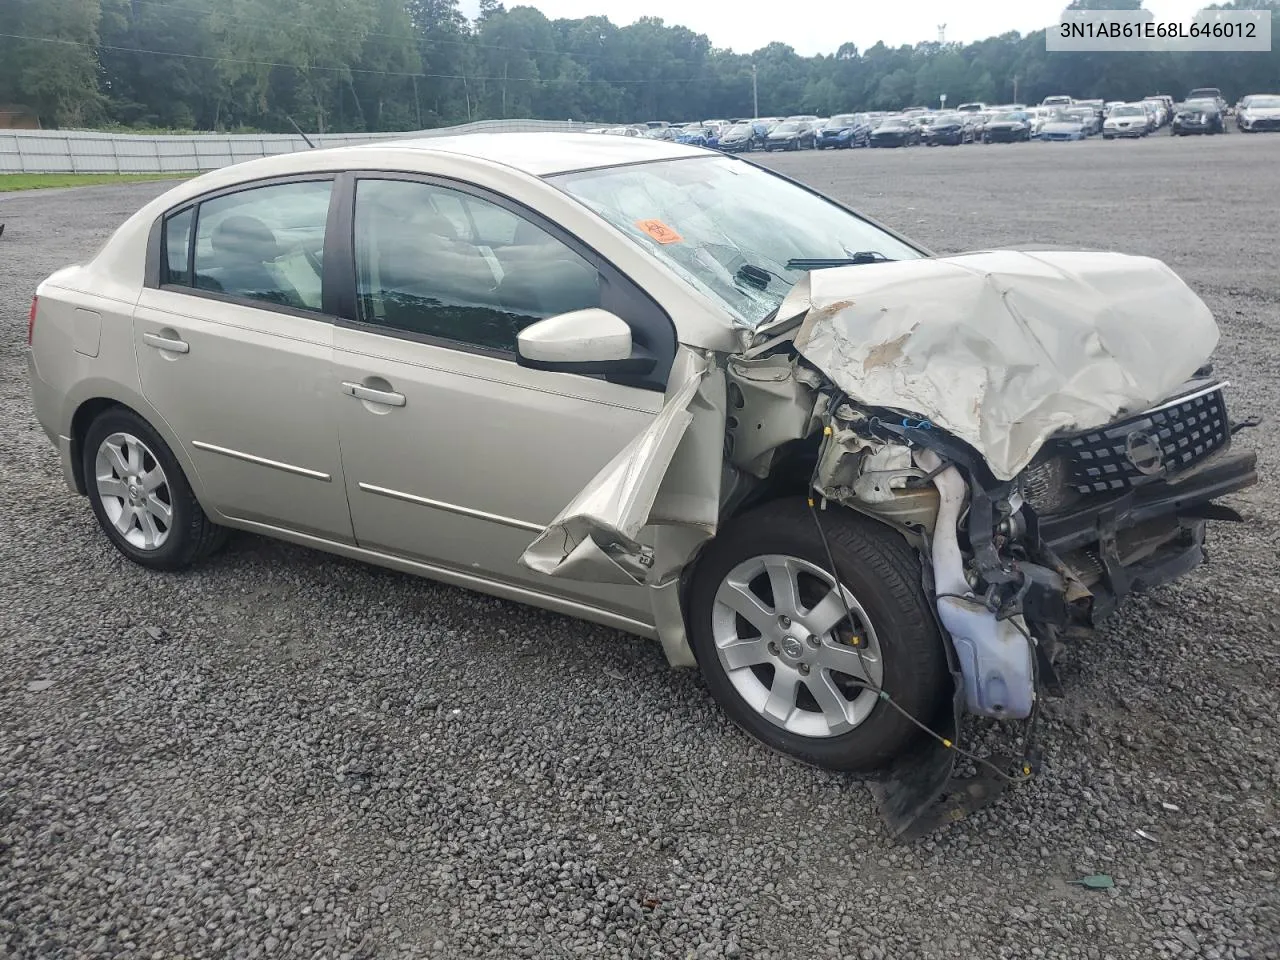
(235, 347)
(453, 453)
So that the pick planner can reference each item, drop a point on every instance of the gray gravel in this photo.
(285, 754)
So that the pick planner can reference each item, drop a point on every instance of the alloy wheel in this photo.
(134, 491)
(785, 638)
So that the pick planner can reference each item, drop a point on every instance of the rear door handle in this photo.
(166, 343)
(358, 390)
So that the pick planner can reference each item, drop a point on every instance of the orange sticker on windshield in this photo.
(659, 231)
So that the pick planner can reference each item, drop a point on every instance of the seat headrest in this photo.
(526, 234)
(243, 237)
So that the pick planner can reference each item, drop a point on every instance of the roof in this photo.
(546, 153)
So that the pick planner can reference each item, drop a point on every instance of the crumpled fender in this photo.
(668, 478)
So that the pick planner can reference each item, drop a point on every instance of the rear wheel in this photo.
(140, 495)
(773, 635)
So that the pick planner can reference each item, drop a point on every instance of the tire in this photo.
(188, 537)
(882, 573)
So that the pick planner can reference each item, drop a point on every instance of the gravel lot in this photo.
(285, 754)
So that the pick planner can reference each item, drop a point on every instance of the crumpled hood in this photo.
(1005, 348)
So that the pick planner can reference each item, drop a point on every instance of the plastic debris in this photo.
(1146, 836)
(1171, 807)
(1095, 881)
(39, 686)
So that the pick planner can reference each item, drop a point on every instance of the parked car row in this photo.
(1058, 117)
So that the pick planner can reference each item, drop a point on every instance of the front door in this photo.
(452, 452)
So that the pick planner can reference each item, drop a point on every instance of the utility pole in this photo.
(755, 95)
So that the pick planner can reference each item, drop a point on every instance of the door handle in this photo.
(358, 390)
(166, 343)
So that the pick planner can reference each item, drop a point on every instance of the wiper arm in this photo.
(821, 263)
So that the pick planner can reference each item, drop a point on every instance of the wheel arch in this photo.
(94, 405)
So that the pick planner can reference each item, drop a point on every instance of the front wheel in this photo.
(795, 659)
(141, 497)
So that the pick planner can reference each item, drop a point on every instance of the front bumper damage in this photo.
(977, 404)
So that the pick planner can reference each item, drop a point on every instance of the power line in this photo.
(296, 66)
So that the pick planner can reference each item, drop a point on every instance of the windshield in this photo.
(1128, 112)
(1200, 105)
(844, 120)
(727, 227)
(947, 119)
(740, 130)
(1007, 118)
(1263, 103)
(786, 128)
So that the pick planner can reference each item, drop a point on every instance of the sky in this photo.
(821, 26)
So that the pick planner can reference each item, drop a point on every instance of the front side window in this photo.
(445, 264)
(724, 226)
(264, 244)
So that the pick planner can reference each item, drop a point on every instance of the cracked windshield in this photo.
(730, 228)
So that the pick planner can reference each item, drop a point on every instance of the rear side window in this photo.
(177, 248)
(264, 244)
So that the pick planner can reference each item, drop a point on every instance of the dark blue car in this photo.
(844, 131)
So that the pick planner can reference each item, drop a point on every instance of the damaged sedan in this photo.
(862, 488)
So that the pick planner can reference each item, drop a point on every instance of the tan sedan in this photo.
(651, 386)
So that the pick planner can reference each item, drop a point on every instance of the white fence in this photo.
(71, 151)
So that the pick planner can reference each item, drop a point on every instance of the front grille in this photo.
(1148, 446)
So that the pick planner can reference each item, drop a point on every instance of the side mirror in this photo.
(583, 341)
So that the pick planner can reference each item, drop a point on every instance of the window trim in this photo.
(650, 323)
(156, 252)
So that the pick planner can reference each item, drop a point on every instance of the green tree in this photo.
(57, 76)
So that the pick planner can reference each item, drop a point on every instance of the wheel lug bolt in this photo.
(814, 641)
(785, 621)
(804, 669)
(773, 648)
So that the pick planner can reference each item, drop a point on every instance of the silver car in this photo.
(858, 486)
